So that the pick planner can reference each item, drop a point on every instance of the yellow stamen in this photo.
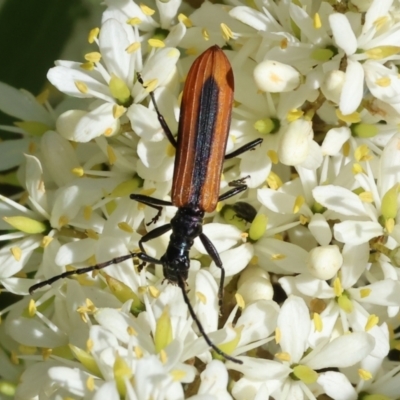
(146, 10)
(185, 20)
(227, 33)
(133, 47)
(16, 253)
(156, 43)
(78, 171)
(134, 21)
(93, 57)
(87, 212)
(371, 322)
(352, 118)
(111, 155)
(93, 34)
(365, 293)
(81, 87)
(365, 376)
(317, 21)
(318, 324)
(283, 356)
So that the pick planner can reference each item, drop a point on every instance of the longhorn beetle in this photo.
(200, 151)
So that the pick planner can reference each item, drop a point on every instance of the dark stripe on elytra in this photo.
(207, 112)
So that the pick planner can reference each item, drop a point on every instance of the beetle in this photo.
(200, 152)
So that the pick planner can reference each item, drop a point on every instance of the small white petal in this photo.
(214, 381)
(342, 352)
(343, 33)
(107, 391)
(353, 88)
(320, 229)
(73, 380)
(339, 199)
(81, 126)
(294, 324)
(259, 321)
(331, 381)
(77, 251)
(384, 293)
(59, 158)
(250, 17)
(334, 140)
(32, 332)
(234, 260)
(275, 77)
(22, 105)
(260, 369)
(354, 232)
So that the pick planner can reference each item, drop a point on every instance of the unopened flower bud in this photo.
(254, 284)
(275, 77)
(324, 261)
(295, 144)
(332, 85)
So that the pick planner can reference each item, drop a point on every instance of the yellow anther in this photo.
(300, 200)
(318, 325)
(118, 111)
(278, 335)
(146, 10)
(16, 252)
(131, 331)
(177, 375)
(365, 376)
(357, 169)
(201, 297)
(157, 43)
(87, 212)
(205, 34)
(317, 21)
(227, 33)
(240, 301)
(154, 292)
(366, 197)
(93, 34)
(283, 356)
(78, 171)
(46, 240)
(185, 20)
(90, 383)
(125, 227)
(294, 114)
(365, 293)
(372, 321)
(362, 153)
(93, 57)
(349, 118)
(134, 21)
(133, 47)
(32, 308)
(82, 87)
(90, 233)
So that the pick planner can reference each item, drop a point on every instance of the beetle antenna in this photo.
(81, 271)
(181, 284)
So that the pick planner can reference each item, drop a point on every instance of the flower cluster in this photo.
(311, 250)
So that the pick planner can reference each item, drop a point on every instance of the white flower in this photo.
(376, 40)
(293, 332)
(109, 76)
